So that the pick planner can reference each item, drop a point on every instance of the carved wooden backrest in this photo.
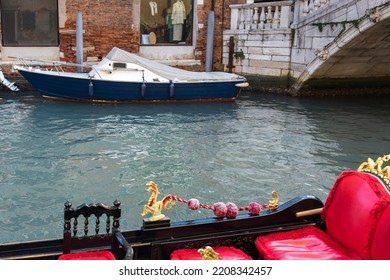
(90, 225)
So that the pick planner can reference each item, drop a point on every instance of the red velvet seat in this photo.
(94, 255)
(225, 253)
(356, 214)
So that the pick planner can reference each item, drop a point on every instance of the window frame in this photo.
(188, 28)
(53, 24)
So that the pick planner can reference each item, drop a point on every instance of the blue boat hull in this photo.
(94, 90)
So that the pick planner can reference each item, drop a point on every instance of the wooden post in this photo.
(231, 50)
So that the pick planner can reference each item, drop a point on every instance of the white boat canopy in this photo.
(165, 71)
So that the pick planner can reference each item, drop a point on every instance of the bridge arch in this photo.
(362, 50)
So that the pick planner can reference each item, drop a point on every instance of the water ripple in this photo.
(53, 152)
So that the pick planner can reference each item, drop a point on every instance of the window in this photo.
(29, 22)
(166, 22)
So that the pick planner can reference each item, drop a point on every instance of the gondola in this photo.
(353, 223)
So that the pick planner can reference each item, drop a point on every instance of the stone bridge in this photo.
(306, 40)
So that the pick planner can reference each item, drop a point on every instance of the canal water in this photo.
(52, 152)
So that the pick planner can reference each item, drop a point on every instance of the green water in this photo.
(51, 152)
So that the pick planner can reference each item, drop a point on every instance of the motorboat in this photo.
(126, 77)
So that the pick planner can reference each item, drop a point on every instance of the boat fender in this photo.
(171, 89)
(90, 88)
(143, 89)
(242, 85)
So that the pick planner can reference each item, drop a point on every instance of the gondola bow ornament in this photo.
(220, 209)
(154, 206)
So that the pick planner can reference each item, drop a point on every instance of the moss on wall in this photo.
(370, 82)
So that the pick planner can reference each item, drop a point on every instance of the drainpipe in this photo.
(79, 42)
(210, 39)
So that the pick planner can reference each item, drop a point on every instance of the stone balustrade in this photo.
(271, 15)
(309, 6)
(304, 9)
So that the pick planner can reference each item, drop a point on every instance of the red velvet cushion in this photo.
(353, 208)
(225, 253)
(97, 255)
(380, 249)
(356, 216)
(302, 244)
(348, 209)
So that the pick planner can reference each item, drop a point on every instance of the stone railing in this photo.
(272, 15)
(304, 9)
(309, 6)
(268, 15)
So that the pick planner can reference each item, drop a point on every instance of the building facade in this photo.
(173, 31)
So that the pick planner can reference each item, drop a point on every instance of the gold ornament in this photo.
(155, 207)
(273, 204)
(208, 253)
(376, 167)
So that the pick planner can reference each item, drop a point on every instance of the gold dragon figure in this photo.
(155, 207)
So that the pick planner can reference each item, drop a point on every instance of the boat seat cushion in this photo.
(225, 253)
(95, 255)
(355, 214)
(380, 249)
(302, 244)
(353, 208)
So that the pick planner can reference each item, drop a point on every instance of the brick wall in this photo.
(106, 24)
(221, 23)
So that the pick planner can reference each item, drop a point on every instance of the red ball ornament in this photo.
(193, 204)
(254, 208)
(220, 209)
(232, 210)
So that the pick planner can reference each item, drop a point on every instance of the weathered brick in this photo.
(105, 23)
